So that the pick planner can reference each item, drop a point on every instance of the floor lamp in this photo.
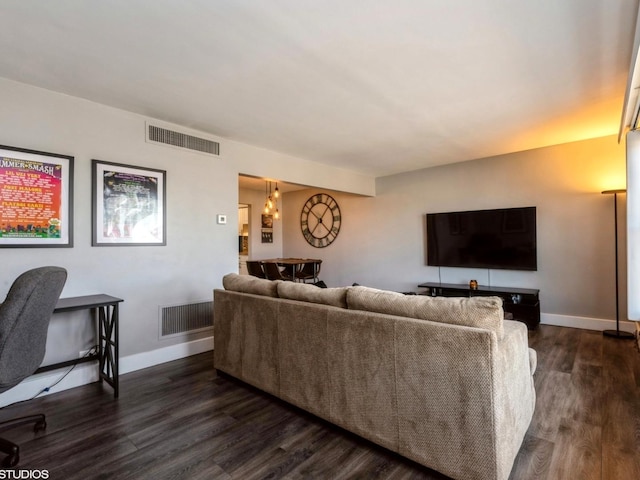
(616, 333)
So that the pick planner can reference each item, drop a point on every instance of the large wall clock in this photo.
(320, 220)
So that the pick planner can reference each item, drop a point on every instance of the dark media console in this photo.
(522, 303)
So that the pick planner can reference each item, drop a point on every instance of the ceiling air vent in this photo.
(182, 140)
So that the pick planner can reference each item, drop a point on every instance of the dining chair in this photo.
(309, 271)
(289, 272)
(272, 271)
(255, 268)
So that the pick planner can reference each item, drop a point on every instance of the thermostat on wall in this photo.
(222, 219)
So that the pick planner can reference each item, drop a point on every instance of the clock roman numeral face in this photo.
(320, 220)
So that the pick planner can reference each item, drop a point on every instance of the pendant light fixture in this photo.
(271, 201)
(266, 202)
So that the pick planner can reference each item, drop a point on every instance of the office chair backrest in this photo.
(24, 321)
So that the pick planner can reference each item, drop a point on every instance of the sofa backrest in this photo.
(250, 284)
(302, 292)
(310, 293)
(479, 312)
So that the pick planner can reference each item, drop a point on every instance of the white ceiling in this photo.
(378, 87)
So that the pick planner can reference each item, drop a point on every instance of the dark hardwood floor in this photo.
(182, 421)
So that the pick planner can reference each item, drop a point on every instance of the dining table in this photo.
(295, 264)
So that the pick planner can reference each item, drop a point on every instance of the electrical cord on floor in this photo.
(93, 350)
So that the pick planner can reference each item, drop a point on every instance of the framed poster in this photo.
(267, 221)
(36, 196)
(129, 205)
(267, 228)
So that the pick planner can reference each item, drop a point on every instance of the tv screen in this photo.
(501, 239)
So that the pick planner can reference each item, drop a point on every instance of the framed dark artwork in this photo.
(36, 198)
(267, 220)
(129, 205)
(267, 228)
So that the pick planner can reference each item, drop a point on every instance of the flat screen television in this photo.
(500, 238)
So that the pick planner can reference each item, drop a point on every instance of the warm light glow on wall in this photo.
(588, 120)
(612, 181)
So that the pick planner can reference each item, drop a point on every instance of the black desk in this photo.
(105, 311)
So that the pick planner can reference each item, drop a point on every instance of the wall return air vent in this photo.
(181, 140)
(187, 318)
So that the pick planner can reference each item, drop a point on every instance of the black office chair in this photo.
(272, 271)
(309, 271)
(24, 321)
(255, 268)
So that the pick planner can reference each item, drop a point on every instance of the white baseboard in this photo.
(139, 361)
(88, 372)
(587, 323)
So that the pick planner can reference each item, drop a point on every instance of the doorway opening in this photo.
(243, 236)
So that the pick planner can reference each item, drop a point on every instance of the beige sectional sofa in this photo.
(443, 381)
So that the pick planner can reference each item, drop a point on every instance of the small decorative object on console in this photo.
(473, 284)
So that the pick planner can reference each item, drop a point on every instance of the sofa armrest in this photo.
(533, 360)
(514, 392)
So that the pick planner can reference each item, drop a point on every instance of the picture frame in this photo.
(267, 220)
(36, 198)
(128, 205)
(267, 228)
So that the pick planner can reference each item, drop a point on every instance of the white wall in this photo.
(257, 249)
(382, 240)
(198, 251)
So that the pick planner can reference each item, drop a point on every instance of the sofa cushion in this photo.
(479, 312)
(250, 284)
(310, 293)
